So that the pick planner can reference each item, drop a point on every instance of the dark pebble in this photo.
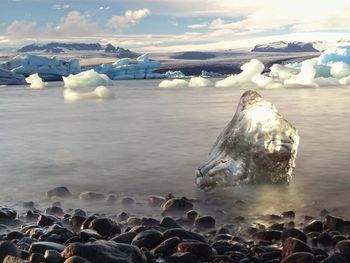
(333, 223)
(324, 239)
(201, 250)
(36, 258)
(76, 259)
(293, 245)
(343, 248)
(175, 205)
(299, 257)
(12, 259)
(60, 191)
(169, 222)
(293, 232)
(267, 235)
(167, 247)
(335, 259)
(313, 226)
(54, 210)
(155, 200)
(148, 239)
(105, 226)
(7, 215)
(91, 196)
(46, 220)
(288, 214)
(183, 234)
(14, 235)
(42, 246)
(128, 201)
(179, 257)
(125, 238)
(150, 222)
(123, 216)
(7, 248)
(204, 222)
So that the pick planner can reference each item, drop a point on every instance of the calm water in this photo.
(150, 141)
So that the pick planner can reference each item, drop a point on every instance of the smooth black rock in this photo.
(105, 226)
(183, 234)
(7, 248)
(333, 223)
(76, 259)
(46, 220)
(60, 191)
(42, 246)
(106, 252)
(123, 216)
(324, 239)
(175, 205)
(343, 248)
(169, 222)
(200, 249)
(57, 234)
(335, 259)
(293, 245)
(76, 221)
(125, 238)
(54, 210)
(204, 222)
(86, 234)
(127, 201)
(167, 247)
(293, 232)
(73, 240)
(313, 226)
(7, 215)
(267, 235)
(337, 238)
(36, 258)
(52, 256)
(150, 222)
(14, 235)
(288, 214)
(299, 257)
(134, 221)
(192, 215)
(86, 223)
(179, 257)
(148, 239)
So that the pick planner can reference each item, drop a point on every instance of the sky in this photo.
(173, 25)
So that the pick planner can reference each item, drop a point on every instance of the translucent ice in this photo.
(100, 92)
(306, 75)
(175, 83)
(177, 74)
(89, 78)
(35, 81)
(335, 54)
(340, 70)
(48, 68)
(282, 72)
(257, 146)
(249, 70)
(10, 78)
(199, 82)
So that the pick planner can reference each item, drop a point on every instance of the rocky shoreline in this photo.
(178, 234)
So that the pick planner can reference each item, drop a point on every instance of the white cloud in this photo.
(21, 29)
(197, 26)
(129, 18)
(60, 7)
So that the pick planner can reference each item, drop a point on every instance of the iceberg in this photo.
(175, 83)
(206, 74)
(340, 70)
(335, 54)
(258, 146)
(306, 75)
(283, 72)
(124, 69)
(89, 78)
(10, 78)
(101, 93)
(48, 68)
(35, 81)
(177, 74)
(199, 82)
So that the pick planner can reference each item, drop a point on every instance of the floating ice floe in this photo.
(250, 76)
(35, 81)
(200, 82)
(123, 69)
(177, 74)
(258, 146)
(10, 78)
(175, 83)
(89, 78)
(48, 68)
(101, 93)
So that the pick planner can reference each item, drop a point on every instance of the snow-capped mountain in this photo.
(282, 46)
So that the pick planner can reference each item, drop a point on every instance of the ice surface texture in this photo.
(123, 69)
(89, 78)
(100, 92)
(48, 68)
(257, 146)
(10, 78)
(35, 81)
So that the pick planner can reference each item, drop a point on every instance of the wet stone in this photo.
(313, 226)
(86, 223)
(335, 259)
(91, 196)
(183, 234)
(150, 222)
(175, 205)
(42, 246)
(333, 223)
(324, 239)
(204, 222)
(155, 200)
(134, 221)
(299, 257)
(77, 220)
(125, 238)
(105, 226)
(288, 214)
(126, 201)
(201, 250)
(293, 245)
(179, 257)
(86, 234)
(36, 258)
(7, 215)
(169, 222)
(267, 235)
(343, 248)
(52, 256)
(12, 259)
(54, 210)
(148, 239)
(123, 216)
(60, 191)
(337, 238)
(46, 220)
(106, 252)
(192, 215)
(76, 259)
(293, 232)
(7, 248)
(167, 247)
(14, 235)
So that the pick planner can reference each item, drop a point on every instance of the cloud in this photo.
(60, 7)
(197, 26)
(129, 18)
(73, 25)
(21, 29)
